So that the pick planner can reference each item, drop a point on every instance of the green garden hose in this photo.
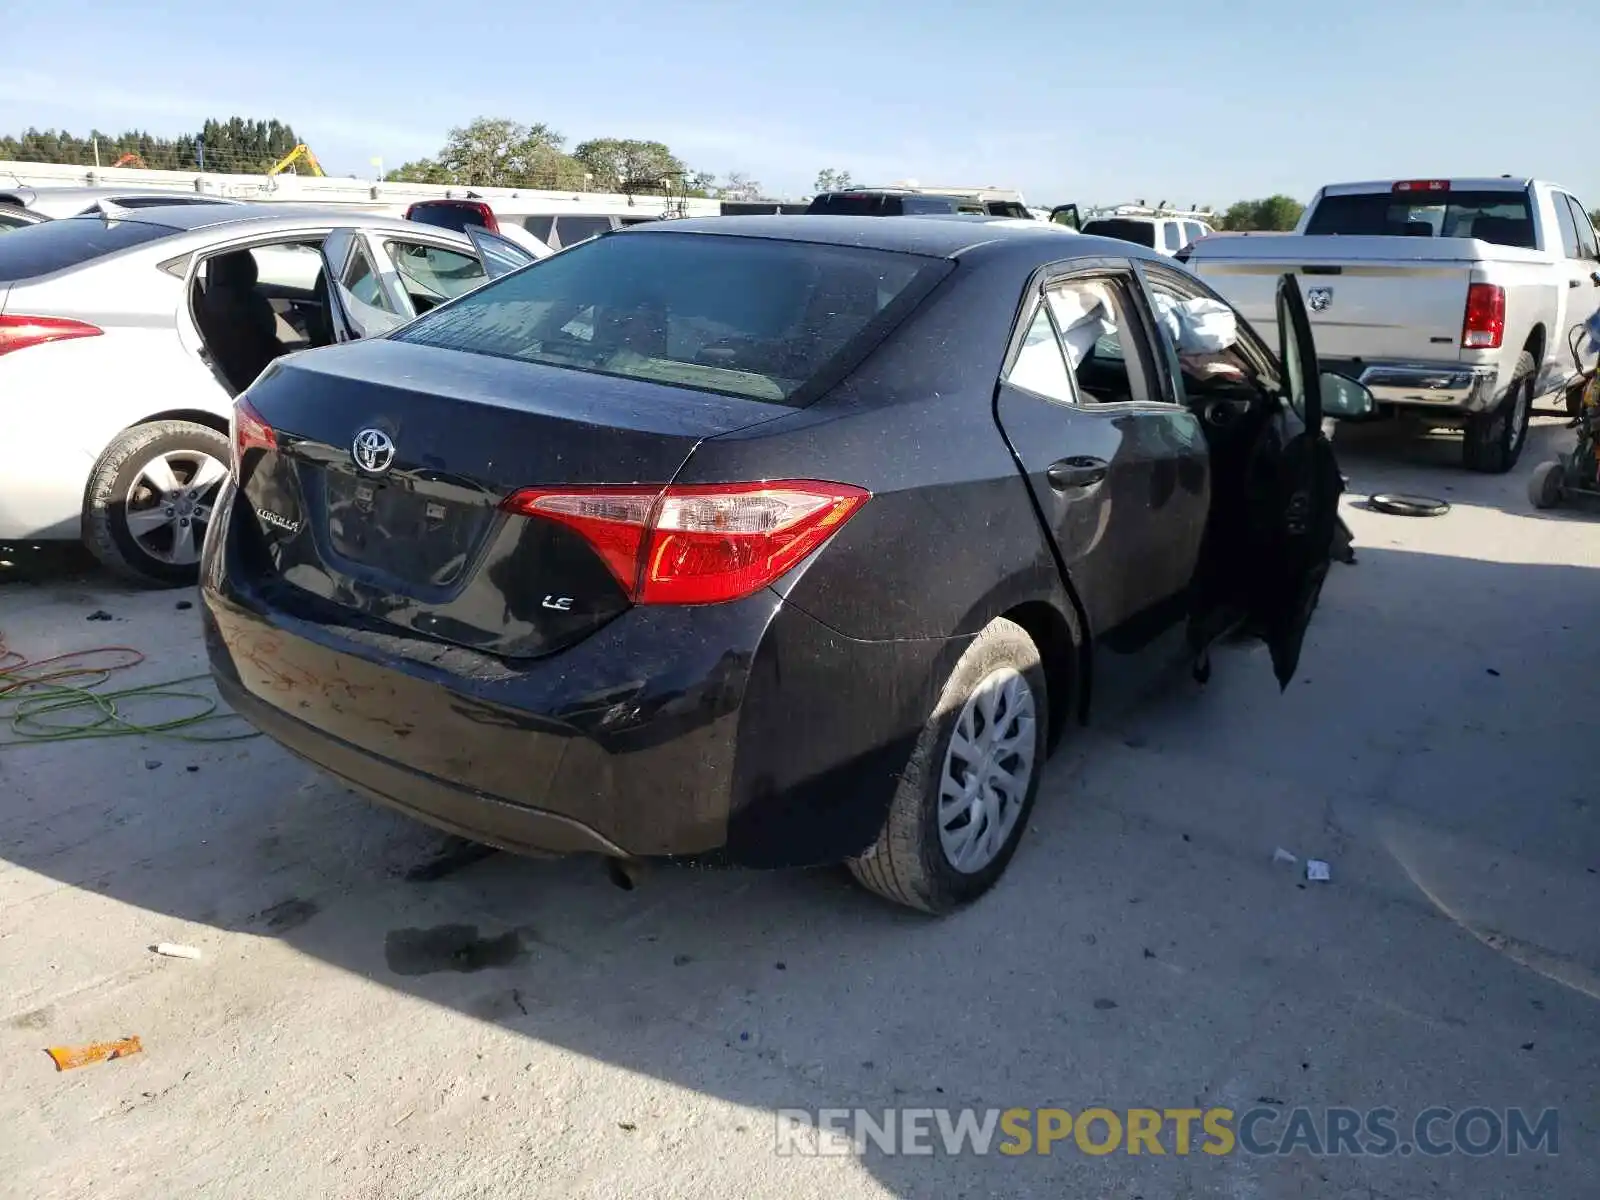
(63, 698)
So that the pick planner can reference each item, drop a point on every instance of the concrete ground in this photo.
(380, 1012)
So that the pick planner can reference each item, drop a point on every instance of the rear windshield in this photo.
(1501, 218)
(1008, 208)
(1142, 232)
(750, 317)
(855, 204)
(448, 216)
(55, 245)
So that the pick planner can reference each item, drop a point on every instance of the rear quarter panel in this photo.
(99, 386)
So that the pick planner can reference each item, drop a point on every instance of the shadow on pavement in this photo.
(1144, 950)
(46, 562)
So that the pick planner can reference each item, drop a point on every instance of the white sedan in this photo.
(125, 335)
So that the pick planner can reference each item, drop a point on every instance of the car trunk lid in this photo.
(380, 498)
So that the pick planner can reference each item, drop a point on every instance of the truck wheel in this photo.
(964, 799)
(1545, 485)
(149, 501)
(1492, 441)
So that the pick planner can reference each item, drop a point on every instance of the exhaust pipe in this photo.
(626, 873)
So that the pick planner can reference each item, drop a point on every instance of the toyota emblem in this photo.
(373, 451)
(1320, 299)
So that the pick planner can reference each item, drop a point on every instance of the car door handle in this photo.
(1075, 472)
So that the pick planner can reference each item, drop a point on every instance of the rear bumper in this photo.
(1458, 387)
(746, 733)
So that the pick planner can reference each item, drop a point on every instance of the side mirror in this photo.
(1345, 397)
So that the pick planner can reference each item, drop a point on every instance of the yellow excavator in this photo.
(302, 152)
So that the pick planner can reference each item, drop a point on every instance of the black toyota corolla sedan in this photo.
(762, 541)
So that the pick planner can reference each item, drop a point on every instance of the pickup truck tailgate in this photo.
(1372, 298)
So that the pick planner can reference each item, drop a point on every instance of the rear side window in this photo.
(1193, 231)
(1142, 233)
(1587, 248)
(540, 227)
(1501, 218)
(56, 245)
(572, 230)
(1171, 235)
(1569, 231)
(752, 317)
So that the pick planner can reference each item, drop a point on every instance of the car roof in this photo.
(184, 218)
(942, 235)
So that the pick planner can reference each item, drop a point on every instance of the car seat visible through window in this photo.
(237, 321)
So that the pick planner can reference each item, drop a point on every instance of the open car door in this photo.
(365, 296)
(501, 255)
(1300, 500)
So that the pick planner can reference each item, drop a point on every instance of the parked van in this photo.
(905, 199)
(555, 222)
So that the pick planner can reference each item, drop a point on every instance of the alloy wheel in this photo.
(987, 770)
(168, 505)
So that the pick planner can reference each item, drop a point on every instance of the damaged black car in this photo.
(762, 541)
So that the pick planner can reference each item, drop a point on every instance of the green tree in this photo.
(829, 180)
(1594, 216)
(622, 164)
(1276, 212)
(495, 152)
(424, 170)
(235, 145)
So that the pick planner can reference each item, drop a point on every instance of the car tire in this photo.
(912, 863)
(1547, 483)
(1493, 441)
(120, 489)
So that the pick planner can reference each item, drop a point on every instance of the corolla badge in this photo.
(373, 451)
(1320, 299)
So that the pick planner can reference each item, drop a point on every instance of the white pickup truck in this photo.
(1456, 300)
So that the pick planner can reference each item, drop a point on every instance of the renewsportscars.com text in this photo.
(1268, 1130)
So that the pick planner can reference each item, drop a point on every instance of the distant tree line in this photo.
(1274, 213)
(497, 152)
(237, 145)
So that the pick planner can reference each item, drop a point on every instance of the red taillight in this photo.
(1423, 185)
(250, 432)
(18, 332)
(698, 544)
(1485, 326)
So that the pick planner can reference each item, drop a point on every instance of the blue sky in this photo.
(1100, 102)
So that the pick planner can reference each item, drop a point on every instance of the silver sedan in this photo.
(125, 335)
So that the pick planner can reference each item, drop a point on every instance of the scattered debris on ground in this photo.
(174, 950)
(69, 1058)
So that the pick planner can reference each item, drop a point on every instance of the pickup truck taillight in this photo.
(1485, 326)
